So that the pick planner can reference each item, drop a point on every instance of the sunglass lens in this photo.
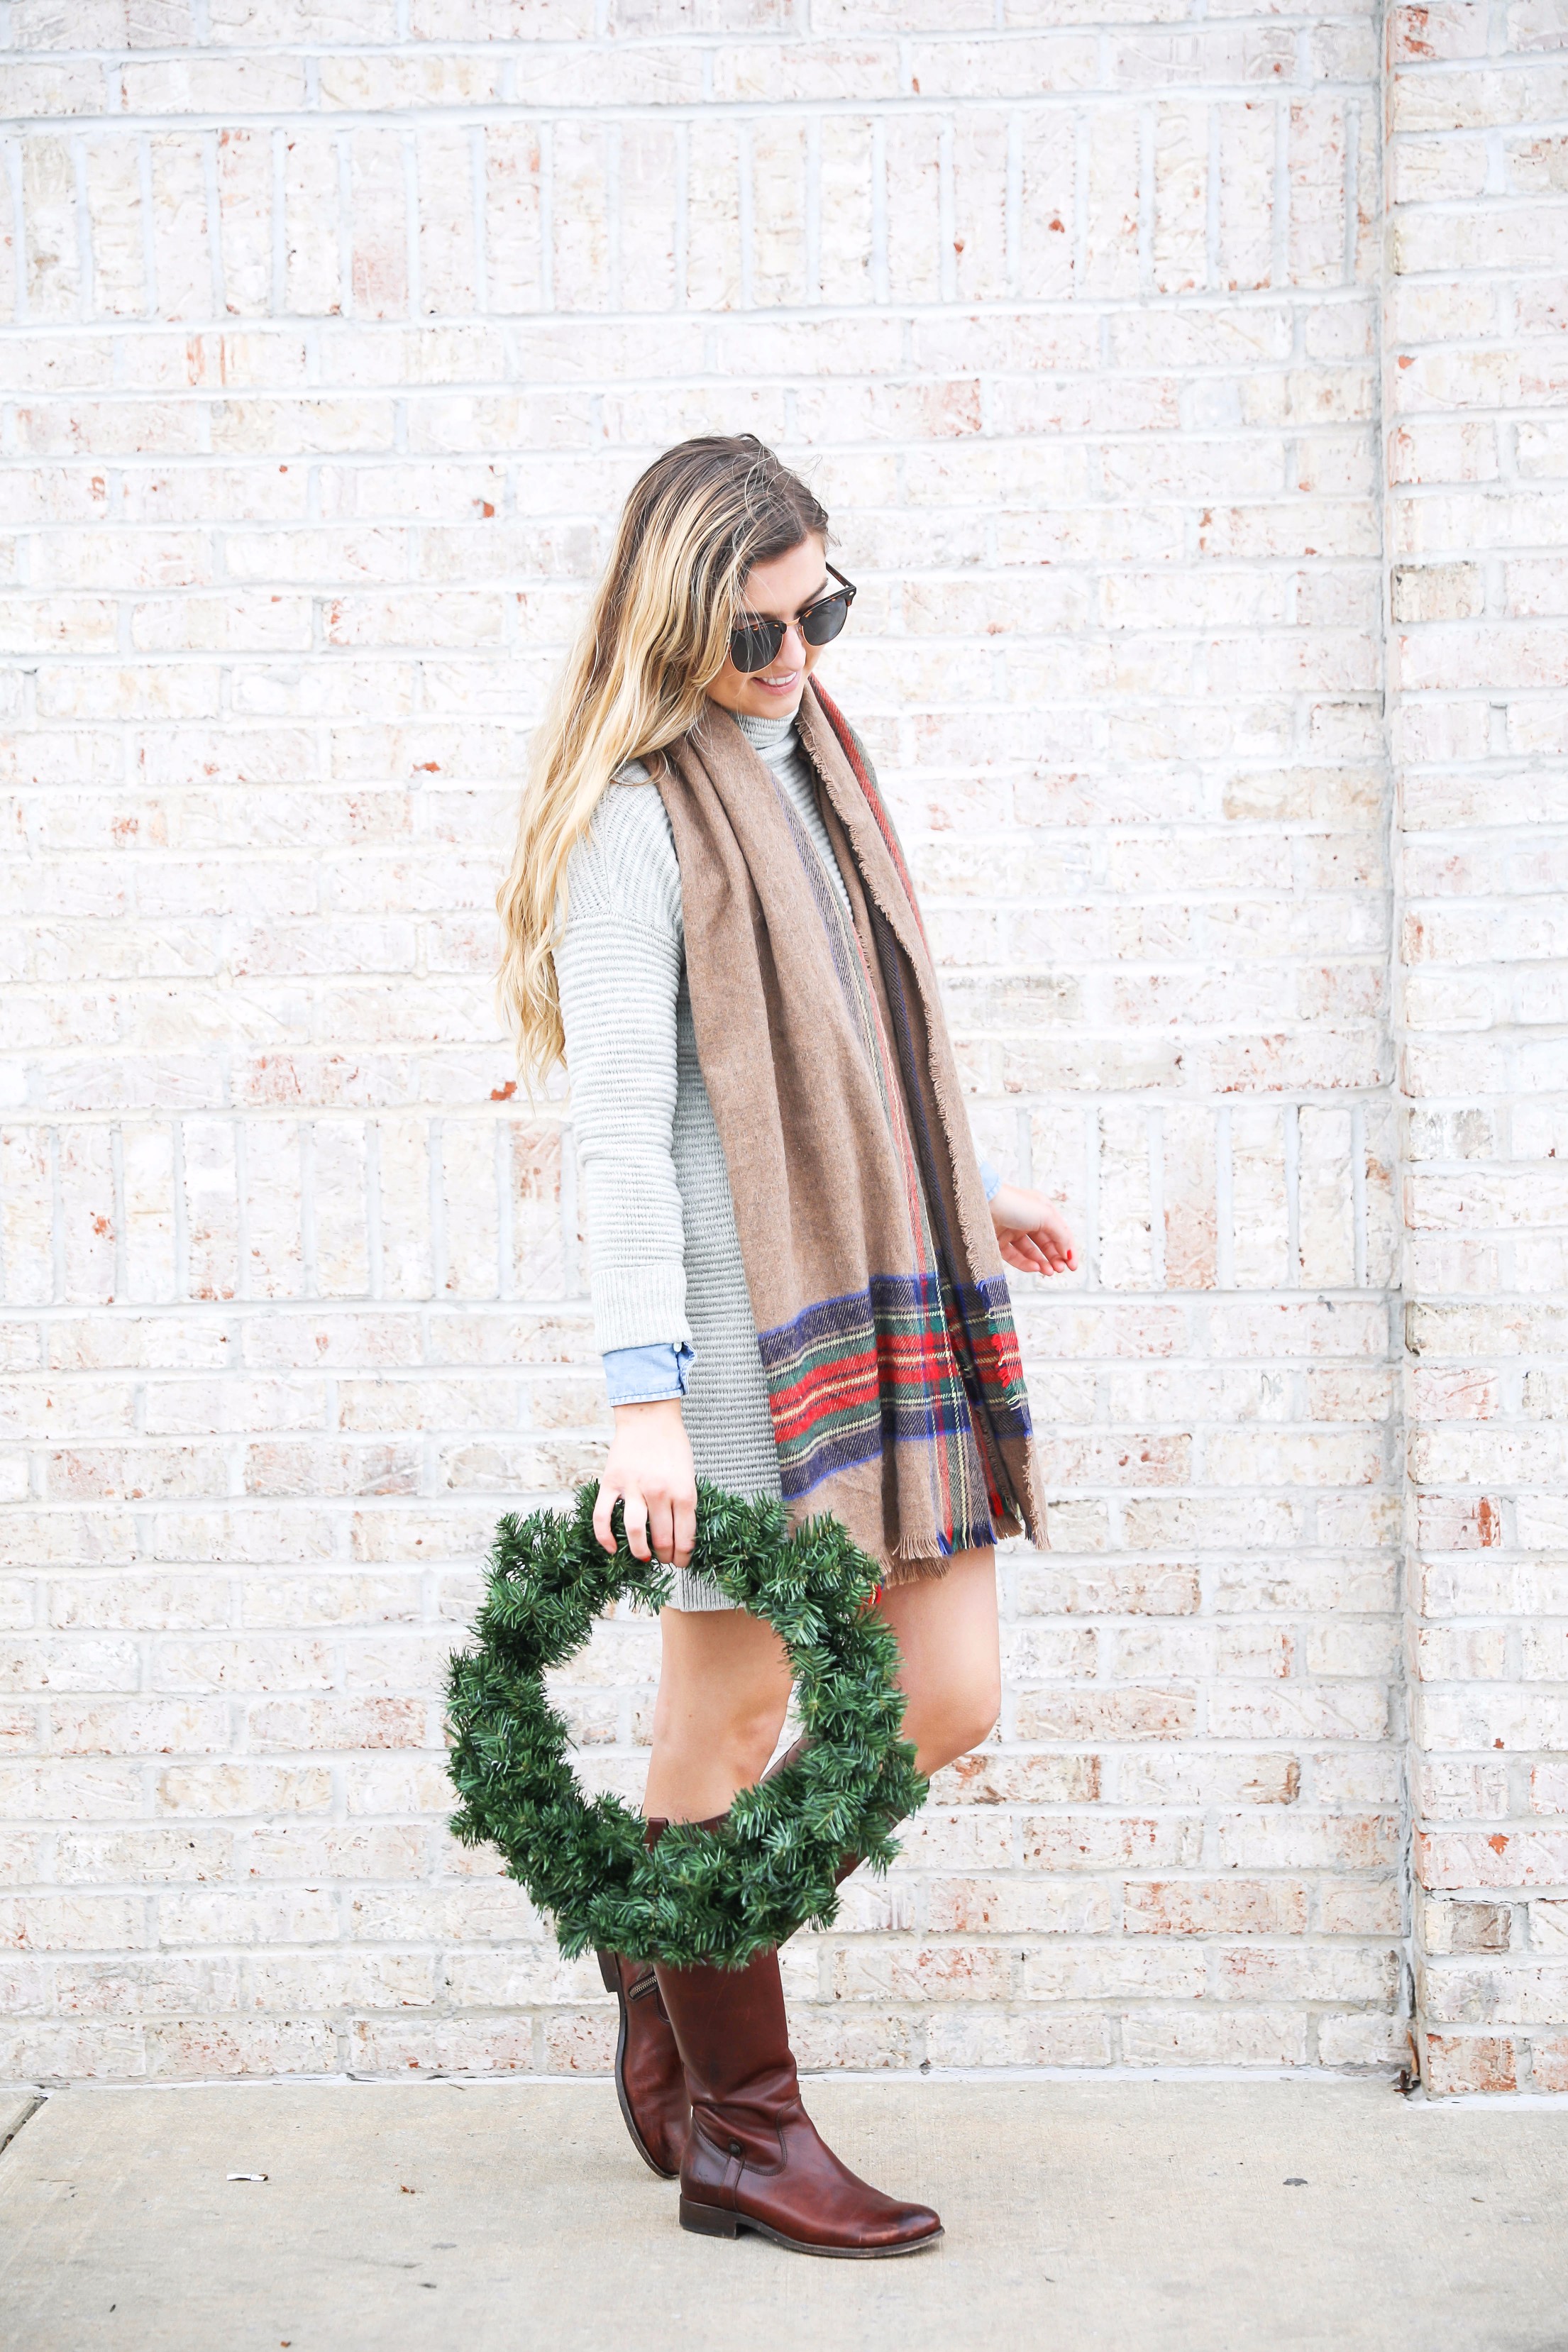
(823, 620)
(755, 646)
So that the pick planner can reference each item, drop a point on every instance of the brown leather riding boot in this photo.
(650, 2082)
(753, 2160)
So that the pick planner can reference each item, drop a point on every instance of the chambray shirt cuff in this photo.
(991, 1178)
(647, 1375)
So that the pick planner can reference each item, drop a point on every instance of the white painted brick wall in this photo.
(338, 334)
(1476, 376)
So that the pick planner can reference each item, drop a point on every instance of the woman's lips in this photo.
(780, 685)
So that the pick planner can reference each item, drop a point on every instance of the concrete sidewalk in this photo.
(1142, 2217)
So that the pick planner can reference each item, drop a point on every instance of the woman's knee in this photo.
(755, 1738)
(733, 1743)
(732, 1705)
(954, 1720)
(746, 1722)
(979, 1718)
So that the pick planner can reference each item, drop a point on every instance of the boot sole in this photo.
(717, 2221)
(612, 1982)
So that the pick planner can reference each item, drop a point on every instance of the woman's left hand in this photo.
(1032, 1231)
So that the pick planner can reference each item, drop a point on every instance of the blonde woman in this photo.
(796, 1260)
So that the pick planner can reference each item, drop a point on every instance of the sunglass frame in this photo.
(843, 595)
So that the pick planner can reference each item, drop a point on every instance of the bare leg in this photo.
(723, 1687)
(951, 1672)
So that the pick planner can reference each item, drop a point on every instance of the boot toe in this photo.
(912, 2225)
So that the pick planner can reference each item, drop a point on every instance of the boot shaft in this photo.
(732, 2033)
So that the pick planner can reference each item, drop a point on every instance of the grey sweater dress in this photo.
(664, 1252)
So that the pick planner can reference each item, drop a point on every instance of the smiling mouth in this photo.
(777, 685)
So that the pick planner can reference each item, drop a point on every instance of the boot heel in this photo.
(708, 2221)
(609, 1973)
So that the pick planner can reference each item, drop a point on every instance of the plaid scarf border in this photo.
(852, 1376)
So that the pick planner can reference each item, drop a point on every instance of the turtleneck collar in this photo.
(762, 733)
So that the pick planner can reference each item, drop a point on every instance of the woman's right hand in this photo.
(649, 1469)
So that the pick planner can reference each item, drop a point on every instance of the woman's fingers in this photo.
(672, 1527)
(649, 1468)
(636, 1523)
(661, 1527)
(1038, 1252)
(608, 1497)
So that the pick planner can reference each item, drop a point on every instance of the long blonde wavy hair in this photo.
(656, 637)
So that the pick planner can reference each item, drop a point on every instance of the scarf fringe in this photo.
(902, 1569)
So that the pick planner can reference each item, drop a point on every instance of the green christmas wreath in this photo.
(715, 1895)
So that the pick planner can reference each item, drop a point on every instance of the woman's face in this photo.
(777, 591)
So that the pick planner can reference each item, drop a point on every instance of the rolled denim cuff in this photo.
(647, 1375)
(991, 1178)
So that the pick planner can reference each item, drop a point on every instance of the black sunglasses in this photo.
(754, 643)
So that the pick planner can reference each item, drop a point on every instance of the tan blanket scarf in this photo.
(880, 1300)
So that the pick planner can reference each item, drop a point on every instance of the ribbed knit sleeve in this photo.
(618, 964)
